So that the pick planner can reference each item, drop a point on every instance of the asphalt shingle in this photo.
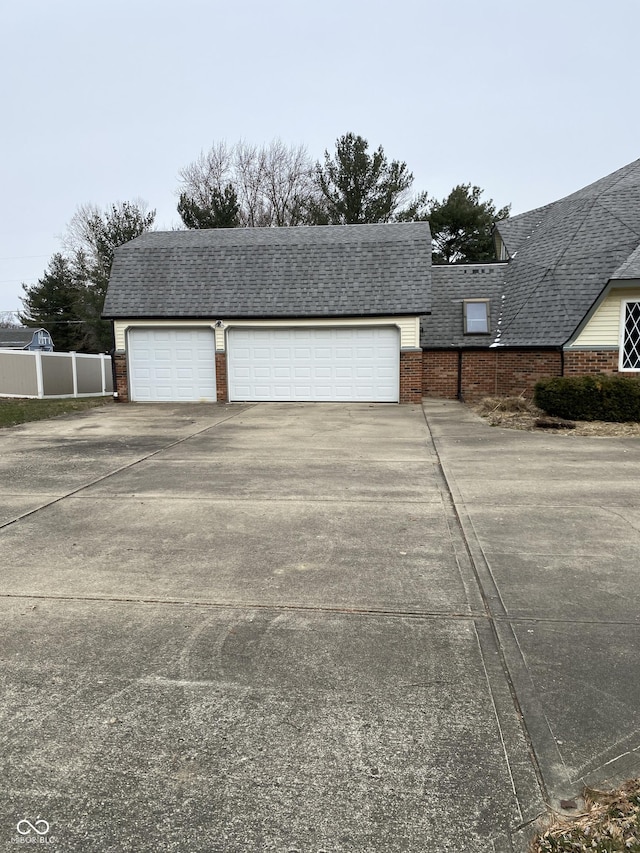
(564, 254)
(450, 286)
(321, 271)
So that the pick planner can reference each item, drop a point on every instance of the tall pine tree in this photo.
(56, 303)
(358, 187)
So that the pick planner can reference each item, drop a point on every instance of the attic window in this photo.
(630, 349)
(476, 316)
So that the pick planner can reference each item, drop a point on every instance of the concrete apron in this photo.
(279, 627)
(552, 523)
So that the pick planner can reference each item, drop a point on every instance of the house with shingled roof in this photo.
(358, 312)
(20, 337)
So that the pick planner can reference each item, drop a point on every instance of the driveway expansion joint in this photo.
(74, 492)
(535, 728)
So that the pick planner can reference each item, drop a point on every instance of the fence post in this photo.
(39, 380)
(74, 372)
(103, 372)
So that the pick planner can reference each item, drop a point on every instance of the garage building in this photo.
(323, 313)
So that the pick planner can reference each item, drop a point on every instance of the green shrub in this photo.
(601, 397)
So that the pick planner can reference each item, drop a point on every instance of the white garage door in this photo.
(172, 364)
(334, 364)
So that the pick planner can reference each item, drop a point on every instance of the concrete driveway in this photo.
(311, 628)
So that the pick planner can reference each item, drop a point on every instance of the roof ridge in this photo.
(552, 268)
(615, 216)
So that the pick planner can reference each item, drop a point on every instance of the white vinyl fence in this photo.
(54, 374)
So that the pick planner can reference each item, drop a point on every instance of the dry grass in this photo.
(610, 823)
(520, 413)
(17, 410)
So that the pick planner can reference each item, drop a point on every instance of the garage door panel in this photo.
(341, 364)
(172, 365)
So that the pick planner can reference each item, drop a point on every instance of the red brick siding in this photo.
(579, 362)
(122, 381)
(519, 370)
(487, 373)
(479, 370)
(440, 374)
(410, 376)
(221, 377)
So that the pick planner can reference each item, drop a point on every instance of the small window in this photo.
(476, 316)
(630, 344)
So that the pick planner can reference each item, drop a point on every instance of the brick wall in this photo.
(579, 362)
(410, 376)
(440, 374)
(122, 380)
(486, 373)
(478, 374)
(221, 377)
(519, 370)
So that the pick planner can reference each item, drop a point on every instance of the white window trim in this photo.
(623, 323)
(485, 302)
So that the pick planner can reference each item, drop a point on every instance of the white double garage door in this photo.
(355, 363)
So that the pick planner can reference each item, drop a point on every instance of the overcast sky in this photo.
(107, 101)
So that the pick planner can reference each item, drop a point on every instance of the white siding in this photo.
(603, 328)
(409, 326)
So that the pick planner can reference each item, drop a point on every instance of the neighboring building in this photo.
(25, 338)
(357, 312)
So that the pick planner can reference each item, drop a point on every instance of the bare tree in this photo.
(90, 241)
(273, 184)
(289, 185)
(249, 167)
(9, 320)
(212, 170)
(123, 220)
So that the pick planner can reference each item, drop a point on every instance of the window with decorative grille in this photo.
(630, 354)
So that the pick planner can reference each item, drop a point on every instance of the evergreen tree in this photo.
(68, 299)
(55, 303)
(220, 210)
(358, 187)
(461, 226)
(92, 237)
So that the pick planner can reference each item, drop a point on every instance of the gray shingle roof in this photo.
(17, 338)
(515, 230)
(565, 256)
(630, 268)
(450, 285)
(336, 270)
